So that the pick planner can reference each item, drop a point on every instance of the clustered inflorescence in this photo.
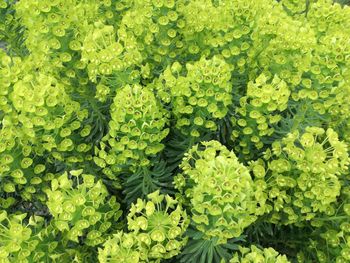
(191, 131)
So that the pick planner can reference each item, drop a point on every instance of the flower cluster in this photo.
(121, 248)
(200, 97)
(136, 130)
(82, 209)
(255, 254)
(101, 48)
(157, 228)
(155, 26)
(15, 237)
(39, 121)
(259, 110)
(305, 172)
(332, 232)
(160, 227)
(219, 191)
(26, 239)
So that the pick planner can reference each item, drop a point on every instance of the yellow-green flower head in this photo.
(136, 129)
(326, 16)
(30, 239)
(324, 85)
(155, 27)
(261, 108)
(14, 236)
(39, 119)
(306, 170)
(22, 174)
(219, 27)
(159, 225)
(20, 237)
(257, 255)
(337, 239)
(290, 44)
(49, 24)
(82, 207)
(201, 96)
(106, 54)
(333, 234)
(122, 247)
(34, 100)
(219, 191)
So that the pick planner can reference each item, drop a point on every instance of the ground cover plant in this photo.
(188, 131)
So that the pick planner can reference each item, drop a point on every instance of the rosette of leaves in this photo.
(136, 130)
(257, 255)
(81, 208)
(304, 172)
(219, 192)
(143, 181)
(200, 249)
(159, 225)
(199, 95)
(260, 109)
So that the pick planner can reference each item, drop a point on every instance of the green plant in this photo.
(193, 131)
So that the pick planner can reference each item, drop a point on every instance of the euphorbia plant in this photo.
(174, 131)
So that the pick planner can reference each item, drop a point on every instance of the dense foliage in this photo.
(186, 131)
